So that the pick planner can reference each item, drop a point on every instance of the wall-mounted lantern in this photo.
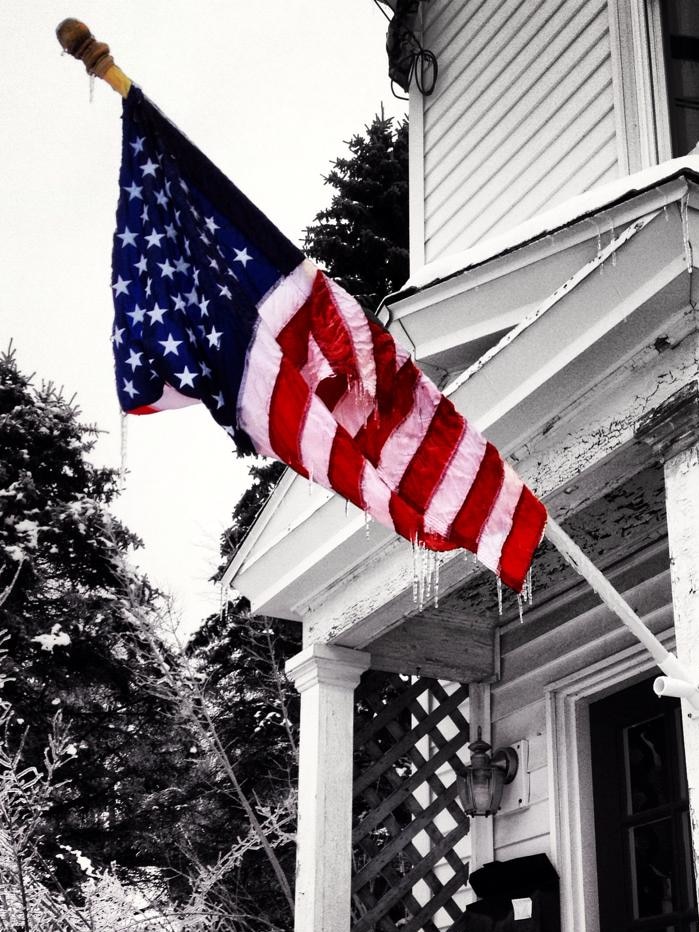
(480, 787)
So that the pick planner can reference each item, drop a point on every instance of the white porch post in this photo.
(326, 677)
(673, 430)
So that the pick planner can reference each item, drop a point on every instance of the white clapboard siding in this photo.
(522, 116)
(554, 644)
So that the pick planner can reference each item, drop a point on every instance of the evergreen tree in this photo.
(66, 604)
(362, 238)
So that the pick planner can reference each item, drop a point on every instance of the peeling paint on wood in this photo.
(682, 481)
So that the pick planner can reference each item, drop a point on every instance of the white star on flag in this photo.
(127, 237)
(120, 286)
(170, 345)
(241, 255)
(186, 377)
(156, 315)
(153, 239)
(134, 191)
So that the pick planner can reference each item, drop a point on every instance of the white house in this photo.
(554, 238)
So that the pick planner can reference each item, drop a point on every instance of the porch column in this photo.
(673, 431)
(326, 677)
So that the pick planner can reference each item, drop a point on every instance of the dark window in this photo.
(681, 30)
(644, 864)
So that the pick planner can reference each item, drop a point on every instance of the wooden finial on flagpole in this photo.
(78, 41)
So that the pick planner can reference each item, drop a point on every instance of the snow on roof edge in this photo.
(562, 215)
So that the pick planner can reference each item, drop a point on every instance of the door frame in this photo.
(573, 849)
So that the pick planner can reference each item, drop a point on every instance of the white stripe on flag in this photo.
(359, 333)
(317, 438)
(291, 293)
(317, 366)
(499, 524)
(456, 482)
(377, 495)
(255, 398)
(401, 446)
(171, 399)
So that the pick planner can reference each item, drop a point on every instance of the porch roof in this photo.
(559, 393)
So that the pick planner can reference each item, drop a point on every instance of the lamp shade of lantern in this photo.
(480, 786)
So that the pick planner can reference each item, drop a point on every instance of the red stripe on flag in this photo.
(331, 389)
(329, 329)
(293, 338)
(144, 409)
(468, 524)
(287, 412)
(345, 468)
(386, 365)
(381, 424)
(433, 456)
(528, 525)
(406, 520)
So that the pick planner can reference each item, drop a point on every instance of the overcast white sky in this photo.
(269, 90)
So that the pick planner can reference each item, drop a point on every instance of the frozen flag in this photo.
(214, 305)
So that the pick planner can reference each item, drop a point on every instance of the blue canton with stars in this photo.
(192, 259)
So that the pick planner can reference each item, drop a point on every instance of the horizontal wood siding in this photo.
(555, 642)
(522, 117)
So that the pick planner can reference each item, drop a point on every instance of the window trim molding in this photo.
(639, 83)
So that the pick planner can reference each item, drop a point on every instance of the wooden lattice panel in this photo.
(408, 735)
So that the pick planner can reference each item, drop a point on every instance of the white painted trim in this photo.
(482, 841)
(551, 240)
(659, 79)
(416, 180)
(644, 83)
(640, 83)
(570, 776)
(416, 173)
(633, 83)
(326, 678)
(619, 90)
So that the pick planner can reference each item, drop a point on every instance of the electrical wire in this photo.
(421, 60)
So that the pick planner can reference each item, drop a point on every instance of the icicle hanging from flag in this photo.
(214, 304)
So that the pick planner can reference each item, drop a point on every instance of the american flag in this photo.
(214, 305)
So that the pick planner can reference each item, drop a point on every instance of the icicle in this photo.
(520, 604)
(367, 522)
(499, 585)
(429, 574)
(530, 590)
(123, 442)
(415, 581)
(421, 579)
(92, 88)
(684, 213)
(346, 507)
(613, 232)
(599, 240)
(438, 563)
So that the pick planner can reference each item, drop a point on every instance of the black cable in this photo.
(421, 59)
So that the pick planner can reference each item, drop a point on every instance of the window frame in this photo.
(640, 83)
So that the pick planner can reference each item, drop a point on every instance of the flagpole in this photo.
(76, 39)
(677, 680)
